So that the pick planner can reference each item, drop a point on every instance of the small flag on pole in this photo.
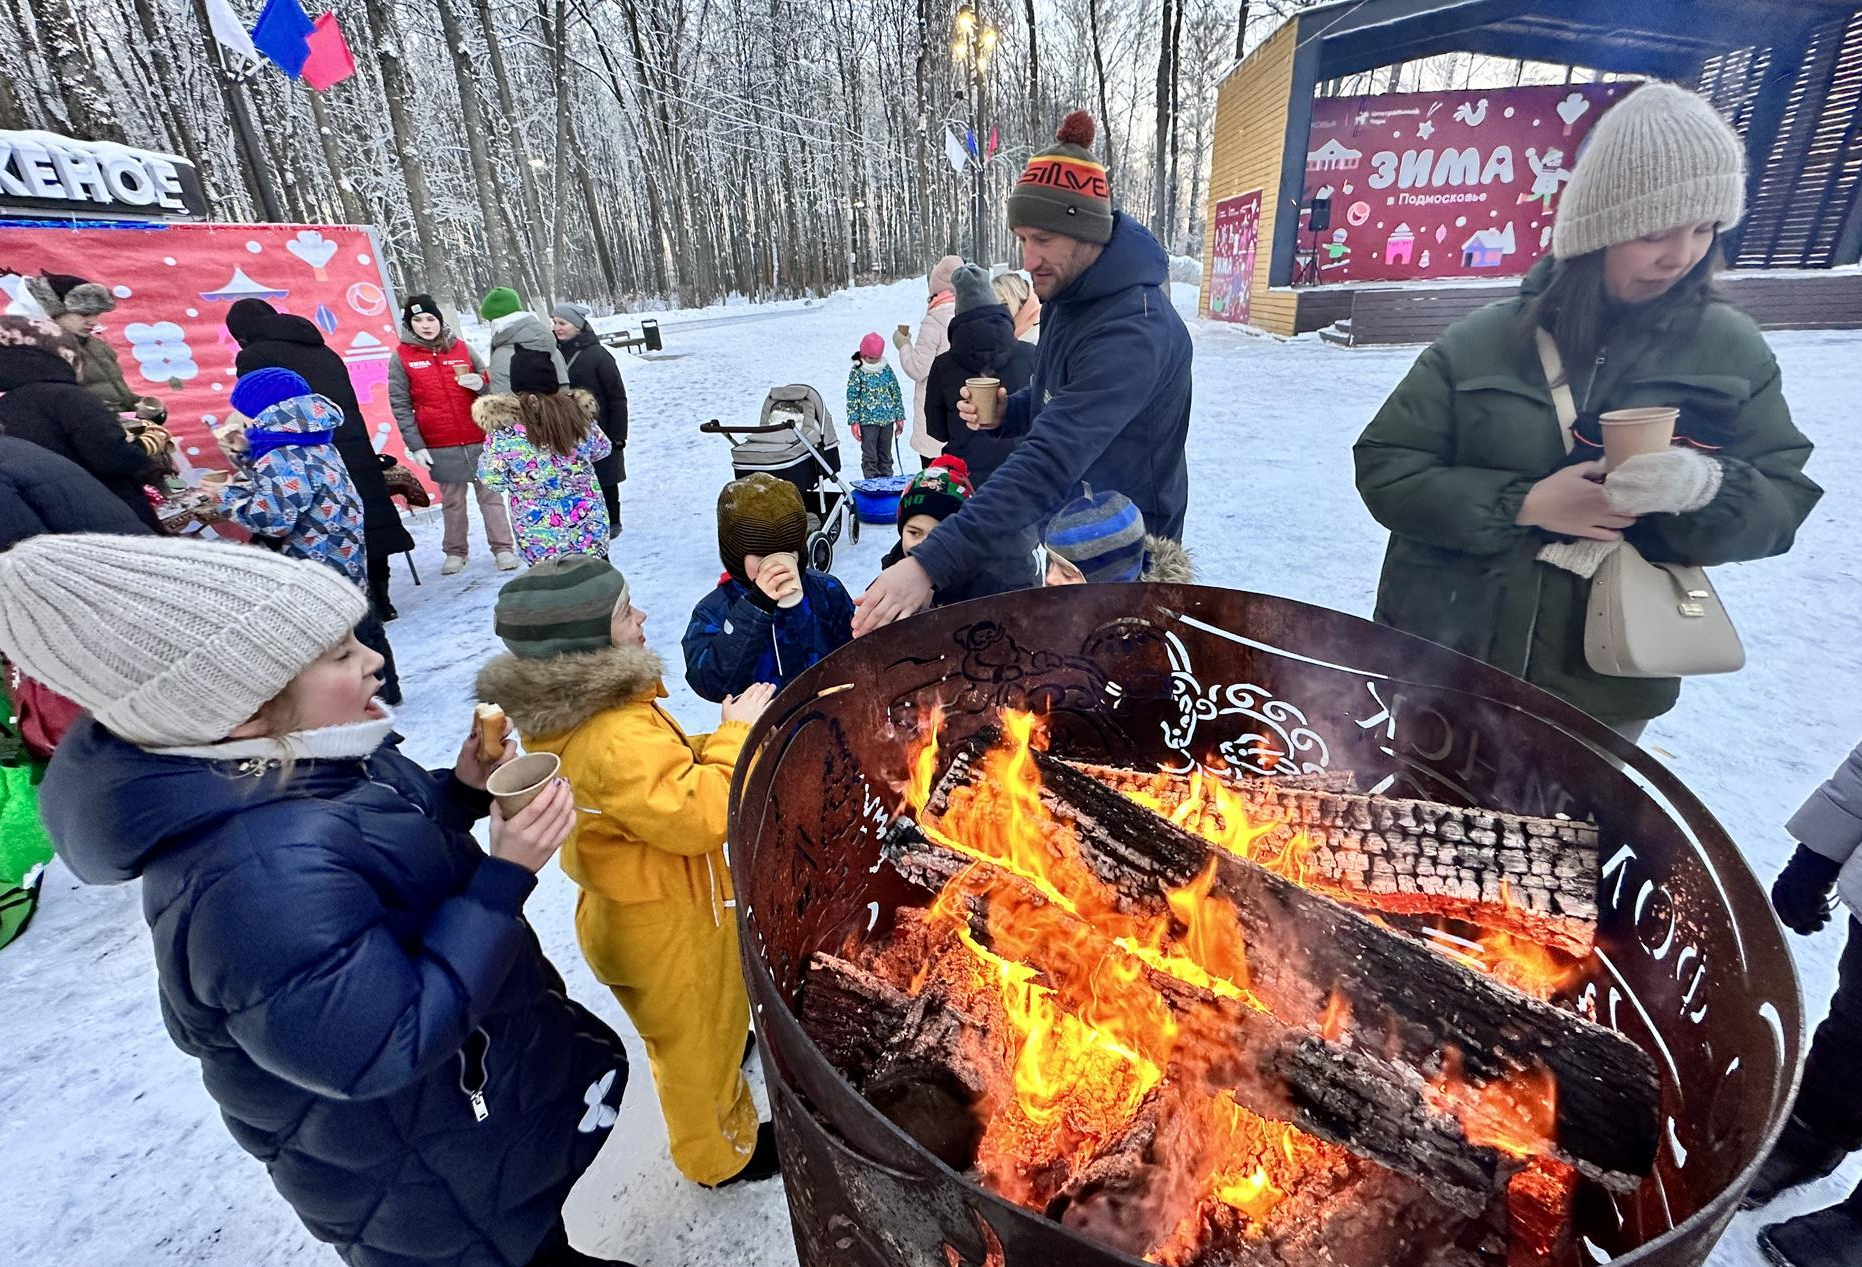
(330, 61)
(282, 33)
(230, 33)
(992, 144)
(969, 142)
(954, 151)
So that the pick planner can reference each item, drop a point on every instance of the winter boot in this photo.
(1828, 1238)
(763, 1163)
(453, 566)
(506, 561)
(1802, 1156)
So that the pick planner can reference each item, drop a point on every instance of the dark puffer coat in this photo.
(269, 339)
(370, 1011)
(41, 492)
(1448, 460)
(1109, 406)
(41, 402)
(982, 344)
(593, 369)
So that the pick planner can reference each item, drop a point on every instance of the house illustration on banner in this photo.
(1488, 248)
(1400, 246)
(1334, 156)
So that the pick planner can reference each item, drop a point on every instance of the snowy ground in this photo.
(113, 1151)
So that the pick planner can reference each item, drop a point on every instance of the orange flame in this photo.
(1516, 1114)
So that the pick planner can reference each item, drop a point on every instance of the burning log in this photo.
(1534, 878)
(1307, 953)
(1344, 1095)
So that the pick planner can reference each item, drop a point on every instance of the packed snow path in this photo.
(116, 1154)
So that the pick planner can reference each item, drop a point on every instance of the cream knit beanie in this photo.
(1660, 158)
(168, 641)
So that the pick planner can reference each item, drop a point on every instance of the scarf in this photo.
(348, 741)
(262, 441)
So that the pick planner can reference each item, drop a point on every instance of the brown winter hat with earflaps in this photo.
(759, 514)
(1064, 188)
(61, 293)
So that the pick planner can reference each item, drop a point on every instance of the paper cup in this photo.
(515, 785)
(1629, 432)
(793, 597)
(905, 332)
(983, 397)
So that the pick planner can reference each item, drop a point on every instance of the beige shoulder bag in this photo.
(1646, 619)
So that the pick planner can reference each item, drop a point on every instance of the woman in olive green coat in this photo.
(1498, 519)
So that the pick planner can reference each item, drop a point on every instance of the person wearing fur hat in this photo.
(654, 916)
(42, 403)
(75, 304)
(1825, 1126)
(770, 617)
(269, 339)
(592, 367)
(512, 327)
(370, 1011)
(1499, 509)
(1109, 402)
(432, 382)
(1100, 538)
(288, 482)
(917, 351)
(541, 447)
(875, 409)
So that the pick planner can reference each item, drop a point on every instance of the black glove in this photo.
(1801, 895)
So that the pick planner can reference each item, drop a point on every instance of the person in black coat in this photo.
(982, 345)
(592, 368)
(41, 402)
(42, 492)
(371, 1012)
(268, 338)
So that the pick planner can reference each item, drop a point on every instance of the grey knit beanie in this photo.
(1660, 158)
(168, 641)
(973, 289)
(575, 314)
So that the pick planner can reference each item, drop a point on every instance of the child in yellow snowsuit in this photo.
(656, 917)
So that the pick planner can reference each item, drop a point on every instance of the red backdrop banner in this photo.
(1443, 184)
(1237, 234)
(174, 283)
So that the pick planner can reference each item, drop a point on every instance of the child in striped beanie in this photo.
(1100, 537)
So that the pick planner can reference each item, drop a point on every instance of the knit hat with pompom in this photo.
(938, 491)
(168, 642)
(1064, 188)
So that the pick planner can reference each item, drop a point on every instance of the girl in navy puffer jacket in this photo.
(375, 1019)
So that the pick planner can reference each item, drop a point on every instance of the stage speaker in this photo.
(1320, 218)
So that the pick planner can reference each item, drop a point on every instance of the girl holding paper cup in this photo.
(1499, 513)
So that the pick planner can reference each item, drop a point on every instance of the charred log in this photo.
(1305, 950)
(1531, 877)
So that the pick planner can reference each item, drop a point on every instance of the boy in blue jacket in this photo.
(769, 618)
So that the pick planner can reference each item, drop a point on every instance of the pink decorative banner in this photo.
(1237, 230)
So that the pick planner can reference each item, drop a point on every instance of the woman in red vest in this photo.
(432, 382)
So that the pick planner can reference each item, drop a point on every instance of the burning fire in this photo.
(1093, 1041)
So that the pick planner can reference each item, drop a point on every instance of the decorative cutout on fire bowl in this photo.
(1688, 964)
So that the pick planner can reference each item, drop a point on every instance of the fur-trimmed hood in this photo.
(1168, 562)
(492, 412)
(557, 694)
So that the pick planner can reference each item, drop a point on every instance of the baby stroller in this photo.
(794, 440)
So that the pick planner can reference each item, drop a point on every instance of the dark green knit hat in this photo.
(1064, 188)
(560, 606)
(759, 514)
(501, 301)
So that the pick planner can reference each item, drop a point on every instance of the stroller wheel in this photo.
(853, 529)
(821, 552)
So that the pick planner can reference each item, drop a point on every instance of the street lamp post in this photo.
(973, 44)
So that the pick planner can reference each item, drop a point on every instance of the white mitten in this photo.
(424, 458)
(1582, 557)
(472, 382)
(1673, 482)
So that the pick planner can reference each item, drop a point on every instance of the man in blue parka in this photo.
(1109, 406)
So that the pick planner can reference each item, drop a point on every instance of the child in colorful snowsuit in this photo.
(353, 973)
(934, 495)
(1825, 1125)
(289, 482)
(875, 409)
(654, 918)
(1100, 537)
(740, 633)
(541, 447)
